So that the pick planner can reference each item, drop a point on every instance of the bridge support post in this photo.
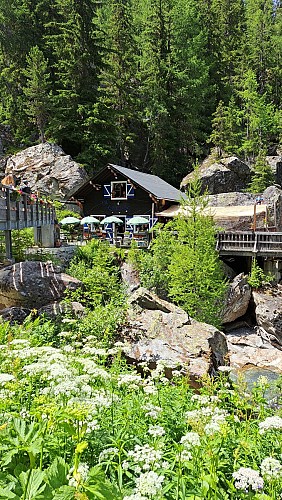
(44, 236)
(8, 244)
(273, 267)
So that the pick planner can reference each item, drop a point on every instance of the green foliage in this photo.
(257, 277)
(154, 265)
(62, 212)
(79, 424)
(263, 176)
(22, 239)
(36, 90)
(197, 280)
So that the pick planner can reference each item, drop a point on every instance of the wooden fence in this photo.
(264, 243)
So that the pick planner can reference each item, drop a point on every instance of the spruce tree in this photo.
(36, 91)
(197, 280)
(263, 175)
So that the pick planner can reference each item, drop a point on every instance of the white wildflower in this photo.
(145, 456)
(190, 440)
(19, 342)
(156, 430)
(6, 377)
(270, 423)
(271, 468)
(152, 411)
(135, 496)
(130, 380)
(247, 478)
(185, 455)
(150, 389)
(149, 483)
(225, 369)
(106, 454)
(79, 476)
(92, 426)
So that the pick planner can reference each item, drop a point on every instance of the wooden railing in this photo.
(19, 211)
(262, 243)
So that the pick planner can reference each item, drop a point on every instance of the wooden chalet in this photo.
(126, 193)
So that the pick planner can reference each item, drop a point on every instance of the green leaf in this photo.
(57, 472)
(7, 494)
(64, 493)
(33, 483)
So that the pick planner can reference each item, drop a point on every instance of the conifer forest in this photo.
(149, 84)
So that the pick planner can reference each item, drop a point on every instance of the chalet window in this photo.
(119, 190)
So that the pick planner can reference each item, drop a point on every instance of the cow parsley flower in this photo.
(247, 478)
(156, 430)
(145, 456)
(271, 468)
(270, 423)
(6, 377)
(149, 483)
(135, 496)
(152, 411)
(190, 440)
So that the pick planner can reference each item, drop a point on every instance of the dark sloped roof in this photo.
(151, 183)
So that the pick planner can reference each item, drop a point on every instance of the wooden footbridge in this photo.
(250, 243)
(18, 211)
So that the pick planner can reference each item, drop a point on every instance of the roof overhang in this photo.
(219, 213)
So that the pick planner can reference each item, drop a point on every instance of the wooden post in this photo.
(255, 218)
(153, 214)
(8, 243)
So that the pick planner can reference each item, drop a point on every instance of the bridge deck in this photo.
(249, 243)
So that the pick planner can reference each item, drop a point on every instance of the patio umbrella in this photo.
(89, 219)
(69, 220)
(111, 219)
(134, 221)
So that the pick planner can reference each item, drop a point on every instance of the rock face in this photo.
(269, 314)
(222, 176)
(48, 169)
(238, 298)
(160, 331)
(33, 285)
(129, 277)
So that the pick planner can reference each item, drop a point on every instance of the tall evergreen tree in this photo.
(197, 280)
(37, 89)
(117, 102)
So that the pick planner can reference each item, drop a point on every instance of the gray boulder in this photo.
(248, 350)
(222, 176)
(268, 310)
(48, 169)
(15, 314)
(237, 300)
(33, 284)
(160, 331)
(129, 277)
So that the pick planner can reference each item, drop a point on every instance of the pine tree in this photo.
(226, 131)
(197, 281)
(263, 175)
(117, 103)
(37, 89)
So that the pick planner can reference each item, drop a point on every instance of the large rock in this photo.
(48, 169)
(160, 331)
(129, 277)
(238, 298)
(33, 284)
(268, 310)
(275, 163)
(222, 176)
(248, 350)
